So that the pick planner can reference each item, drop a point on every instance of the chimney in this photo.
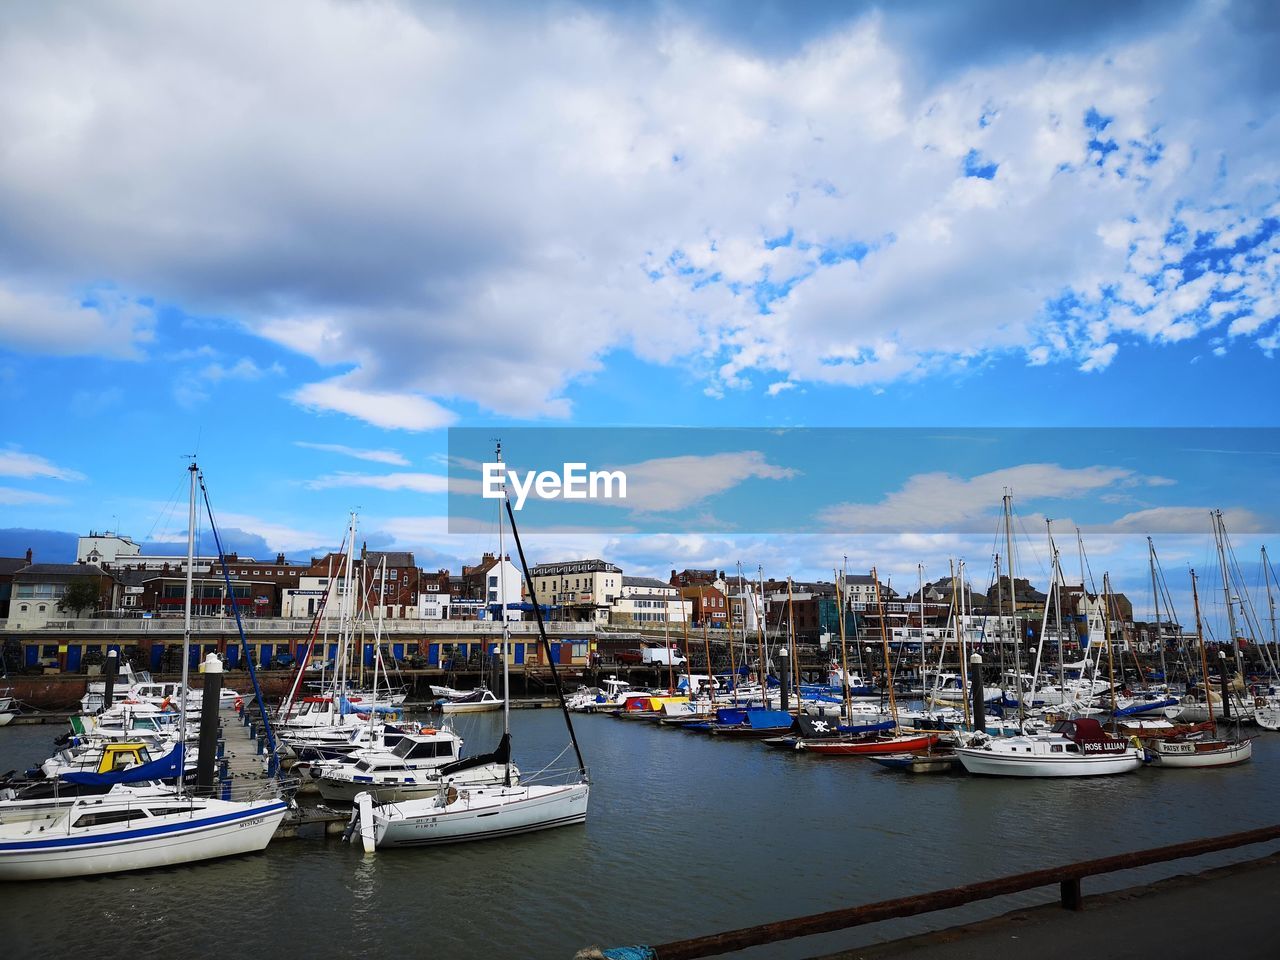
(280, 559)
(28, 554)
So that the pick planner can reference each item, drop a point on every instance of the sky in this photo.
(304, 241)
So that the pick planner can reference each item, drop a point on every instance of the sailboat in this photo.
(1196, 750)
(458, 814)
(135, 829)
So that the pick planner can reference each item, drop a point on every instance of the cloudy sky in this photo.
(303, 239)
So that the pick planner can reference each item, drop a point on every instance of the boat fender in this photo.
(1135, 742)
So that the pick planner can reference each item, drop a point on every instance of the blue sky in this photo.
(309, 244)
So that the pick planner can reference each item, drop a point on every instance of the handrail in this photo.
(264, 625)
(1067, 876)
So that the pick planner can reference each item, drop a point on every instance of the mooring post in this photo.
(211, 699)
(109, 687)
(979, 700)
(1226, 688)
(1071, 898)
(784, 676)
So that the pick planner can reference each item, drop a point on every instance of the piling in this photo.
(785, 676)
(209, 722)
(1226, 689)
(110, 669)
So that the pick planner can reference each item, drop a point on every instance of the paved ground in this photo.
(1232, 911)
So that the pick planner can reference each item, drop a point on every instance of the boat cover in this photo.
(168, 767)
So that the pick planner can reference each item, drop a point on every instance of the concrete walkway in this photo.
(1227, 912)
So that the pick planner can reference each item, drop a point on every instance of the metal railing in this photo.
(219, 625)
(1067, 877)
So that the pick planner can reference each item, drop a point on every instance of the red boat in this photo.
(870, 746)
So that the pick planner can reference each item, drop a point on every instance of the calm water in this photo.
(686, 836)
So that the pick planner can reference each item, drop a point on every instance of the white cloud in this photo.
(389, 457)
(339, 193)
(392, 411)
(943, 501)
(12, 497)
(1187, 520)
(14, 463)
(109, 325)
(242, 369)
(417, 482)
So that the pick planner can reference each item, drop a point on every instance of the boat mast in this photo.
(1013, 603)
(884, 640)
(688, 661)
(706, 643)
(506, 630)
(1106, 633)
(957, 603)
(377, 643)
(1155, 599)
(733, 665)
(760, 618)
(920, 584)
(666, 644)
(844, 649)
(186, 630)
(1219, 535)
(1204, 657)
(791, 644)
(1271, 604)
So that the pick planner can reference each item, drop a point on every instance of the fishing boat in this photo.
(128, 829)
(1074, 748)
(456, 815)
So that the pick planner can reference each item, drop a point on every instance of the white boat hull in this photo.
(480, 814)
(482, 707)
(245, 829)
(1175, 755)
(989, 763)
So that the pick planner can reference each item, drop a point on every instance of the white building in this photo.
(103, 549)
(647, 602)
(582, 589)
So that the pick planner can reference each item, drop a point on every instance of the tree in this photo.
(81, 594)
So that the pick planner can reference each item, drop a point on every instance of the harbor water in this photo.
(687, 835)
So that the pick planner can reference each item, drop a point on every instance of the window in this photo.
(108, 816)
(493, 581)
(43, 608)
(23, 608)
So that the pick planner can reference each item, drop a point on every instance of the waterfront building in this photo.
(581, 590)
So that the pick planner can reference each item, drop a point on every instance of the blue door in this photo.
(233, 655)
(264, 654)
(433, 654)
(73, 656)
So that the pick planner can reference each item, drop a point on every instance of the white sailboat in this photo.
(455, 814)
(128, 828)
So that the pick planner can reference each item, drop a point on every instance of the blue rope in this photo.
(273, 765)
(640, 952)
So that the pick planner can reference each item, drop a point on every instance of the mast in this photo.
(760, 616)
(791, 644)
(1219, 535)
(377, 641)
(920, 584)
(666, 644)
(1155, 599)
(506, 634)
(733, 665)
(1106, 633)
(1013, 605)
(1271, 605)
(688, 661)
(957, 602)
(844, 650)
(1204, 657)
(706, 643)
(186, 630)
(884, 640)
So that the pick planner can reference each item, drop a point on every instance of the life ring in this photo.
(426, 731)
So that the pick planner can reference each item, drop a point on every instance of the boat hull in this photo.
(867, 748)
(203, 837)
(988, 763)
(1176, 756)
(481, 815)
